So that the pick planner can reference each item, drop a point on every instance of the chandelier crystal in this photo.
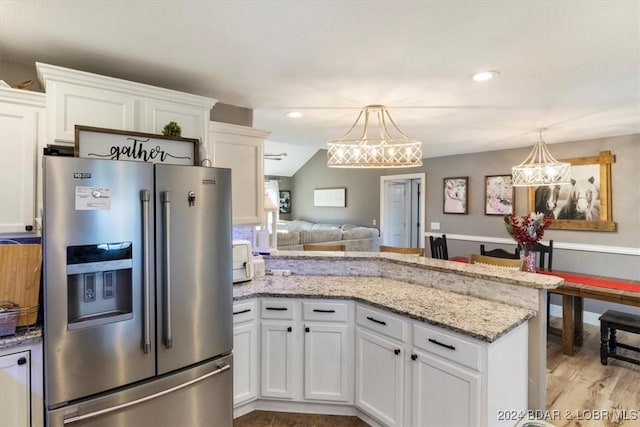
(540, 168)
(376, 147)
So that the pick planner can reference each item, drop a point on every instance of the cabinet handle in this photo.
(276, 308)
(319, 310)
(414, 357)
(450, 347)
(289, 329)
(22, 361)
(306, 329)
(241, 311)
(396, 351)
(28, 228)
(380, 322)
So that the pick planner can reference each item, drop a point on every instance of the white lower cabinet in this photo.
(14, 389)
(380, 377)
(246, 352)
(396, 371)
(307, 351)
(443, 394)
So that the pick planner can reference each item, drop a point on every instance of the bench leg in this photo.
(604, 339)
(613, 342)
(578, 335)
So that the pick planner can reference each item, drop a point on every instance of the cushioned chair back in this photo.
(500, 253)
(439, 247)
(400, 250)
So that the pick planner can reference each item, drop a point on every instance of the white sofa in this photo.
(292, 235)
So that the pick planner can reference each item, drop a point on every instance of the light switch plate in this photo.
(435, 226)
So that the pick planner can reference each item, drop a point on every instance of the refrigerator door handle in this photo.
(165, 198)
(144, 197)
(77, 418)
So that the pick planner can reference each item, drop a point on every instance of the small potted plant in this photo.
(172, 129)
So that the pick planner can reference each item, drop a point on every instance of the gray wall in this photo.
(363, 200)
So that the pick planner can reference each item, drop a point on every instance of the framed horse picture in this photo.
(583, 205)
(499, 195)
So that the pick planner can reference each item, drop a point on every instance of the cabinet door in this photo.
(245, 363)
(379, 377)
(444, 394)
(328, 363)
(279, 359)
(69, 105)
(14, 389)
(236, 148)
(18, 146)
(193, 121)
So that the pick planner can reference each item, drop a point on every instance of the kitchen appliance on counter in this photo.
(242, 261)
(137, 294)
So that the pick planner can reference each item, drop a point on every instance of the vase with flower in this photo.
(527, 231)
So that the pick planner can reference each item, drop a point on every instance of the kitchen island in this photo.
(480, 306)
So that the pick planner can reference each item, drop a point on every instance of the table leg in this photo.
(567, 325)
(578, 334)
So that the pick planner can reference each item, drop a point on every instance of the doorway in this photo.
(402, 206)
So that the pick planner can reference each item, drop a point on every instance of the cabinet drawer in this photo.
(244, 311)
(277, 309)
(381, 322)
(447, 345)
(325, 311)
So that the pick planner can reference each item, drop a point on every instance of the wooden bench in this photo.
(611, 321)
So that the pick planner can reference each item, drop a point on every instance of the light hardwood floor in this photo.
(579, 390)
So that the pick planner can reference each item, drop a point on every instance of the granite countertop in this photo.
(520, 278)
(23, 336)
(482, 319)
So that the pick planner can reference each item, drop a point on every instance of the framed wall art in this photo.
(455, 199)
(285, 202)
(113, 144)
(586, 203)
(499, 195)
(330, 197)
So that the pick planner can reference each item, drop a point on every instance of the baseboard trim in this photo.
(584, 247)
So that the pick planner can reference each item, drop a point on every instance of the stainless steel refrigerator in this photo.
(137, 294)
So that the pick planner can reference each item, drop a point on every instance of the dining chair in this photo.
(341, 248)
(500, 253)
(542, 251)
(439, 247)
(514, 264)
(401, 250)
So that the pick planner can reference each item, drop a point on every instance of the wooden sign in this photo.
(113, 144)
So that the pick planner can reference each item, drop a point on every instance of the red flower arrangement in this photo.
(528, 229)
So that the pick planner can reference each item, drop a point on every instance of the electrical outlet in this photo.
(435, 226)
(374, 221)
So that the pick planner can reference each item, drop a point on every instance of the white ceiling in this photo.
(571, 66)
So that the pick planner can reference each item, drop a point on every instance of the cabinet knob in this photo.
(414, 357)
(289, 329)
(28, 228)
(396, 351)
(306, 329)
(22, 361)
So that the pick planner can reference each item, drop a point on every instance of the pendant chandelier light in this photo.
(376, 147)
(540, 168)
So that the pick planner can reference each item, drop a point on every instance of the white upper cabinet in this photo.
(80, 98)
(21, 129)
(241, 149)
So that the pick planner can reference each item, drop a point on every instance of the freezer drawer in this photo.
(200, 396)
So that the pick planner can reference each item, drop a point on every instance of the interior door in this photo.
(396, 213)
(193, 264)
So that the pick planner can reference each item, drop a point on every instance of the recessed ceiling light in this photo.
(483, 76)
(294, 114)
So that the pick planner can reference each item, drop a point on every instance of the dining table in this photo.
(577, 287)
